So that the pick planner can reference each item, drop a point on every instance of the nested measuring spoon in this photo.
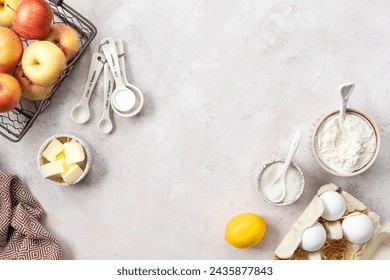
(105, 123)
(81, 112)
(123, 98)
(139, 97)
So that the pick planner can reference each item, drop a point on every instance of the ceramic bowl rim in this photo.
(365, 167)
(86, 147)
(299, 193)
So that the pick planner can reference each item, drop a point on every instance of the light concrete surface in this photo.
(226, 84)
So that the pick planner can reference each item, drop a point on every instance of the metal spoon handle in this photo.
(293, 148)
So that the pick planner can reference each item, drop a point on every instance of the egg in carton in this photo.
(339, 227)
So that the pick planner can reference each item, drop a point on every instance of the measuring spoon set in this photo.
(125, 99)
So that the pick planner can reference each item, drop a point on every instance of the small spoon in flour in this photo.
(346, 91)
(277, 190)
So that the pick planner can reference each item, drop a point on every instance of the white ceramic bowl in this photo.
(334, 172)
(285, 201)
(85, 165)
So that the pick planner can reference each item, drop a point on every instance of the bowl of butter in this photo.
(64, 159)
(349, 149)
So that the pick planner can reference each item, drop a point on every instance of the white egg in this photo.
(334, 205)
(313, 238)
(357, 228)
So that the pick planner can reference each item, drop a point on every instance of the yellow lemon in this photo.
(245, 230)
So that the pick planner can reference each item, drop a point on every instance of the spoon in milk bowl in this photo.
(345, 91)
(277, 190)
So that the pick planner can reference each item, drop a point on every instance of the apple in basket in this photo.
(66, 38)
(43, 63)
(30, 90)
(10, 92)
(33, 19)
(11, 71)
(7, 11)
(11, 49)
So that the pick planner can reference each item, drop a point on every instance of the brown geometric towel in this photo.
(22, 237)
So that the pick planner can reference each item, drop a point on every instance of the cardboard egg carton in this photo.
(336, 246)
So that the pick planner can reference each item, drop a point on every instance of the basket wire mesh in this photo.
(15, 124)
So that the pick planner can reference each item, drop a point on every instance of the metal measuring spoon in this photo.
(345, 91)
(122, 97)
(277, 190)
(81, 112)
(105, 123)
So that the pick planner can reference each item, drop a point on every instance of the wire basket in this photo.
(15, 124)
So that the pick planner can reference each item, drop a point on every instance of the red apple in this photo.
(30, 90)
(10, 92)
(43, 63)
(11, 49)
(65, 37)
(11, 71)
(33, 19)
(7, 11)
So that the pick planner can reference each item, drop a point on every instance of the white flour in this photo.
(347, 149)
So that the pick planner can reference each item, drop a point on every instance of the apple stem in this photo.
(10, 7)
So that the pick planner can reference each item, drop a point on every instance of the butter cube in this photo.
(61, 157)
(72, 174)
(74, 152)
(53, 149)
(51, 169)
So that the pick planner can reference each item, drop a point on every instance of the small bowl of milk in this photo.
(348, 150)
(295, 181)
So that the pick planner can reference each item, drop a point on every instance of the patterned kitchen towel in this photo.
(22, 237)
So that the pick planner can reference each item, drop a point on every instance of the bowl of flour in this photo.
(348, 150)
